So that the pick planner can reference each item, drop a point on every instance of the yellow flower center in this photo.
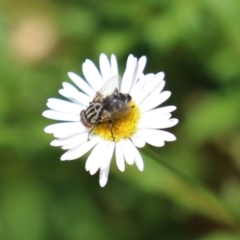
(122, 128)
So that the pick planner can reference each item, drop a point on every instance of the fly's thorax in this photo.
(116, 101)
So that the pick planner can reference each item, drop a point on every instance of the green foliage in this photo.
(194, 194)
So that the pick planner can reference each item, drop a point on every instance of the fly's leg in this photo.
(88, 139)
(110, 126)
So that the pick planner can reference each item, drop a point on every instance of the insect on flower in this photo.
(107, 105)
(123, 114)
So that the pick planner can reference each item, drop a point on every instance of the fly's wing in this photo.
(109, 86)
(106, 115)
(124, 111)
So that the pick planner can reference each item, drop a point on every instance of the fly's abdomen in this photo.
(91, 115)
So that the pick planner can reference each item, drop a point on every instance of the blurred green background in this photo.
(194, 193)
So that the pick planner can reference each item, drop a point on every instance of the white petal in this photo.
(103, 177)
(61, 116)
(137, 88)
(119, 158)
(152, 102)
(127, 151)
(152, 120)
(74, 138)
(137, 141)
(80, 150)
(158, 114)
(158, 134)
(66, 133)
(152, 83)
(107, 157)
(62, 127)
(100, 157)
(81, 84)
(159, 87)
(114, 65)
(137, 157)
(66, 95)
(94, 160)
(105, 67)
(155, 114)
(151, 137)
(154, 123)
(140, 67)
(64, 106)
(127, 79)
(166, 136)
(74, 93)
(92, 75)
(149, 76)
(162, 110)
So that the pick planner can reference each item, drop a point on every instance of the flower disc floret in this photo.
(122, 128)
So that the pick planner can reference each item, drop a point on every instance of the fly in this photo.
(107, 105)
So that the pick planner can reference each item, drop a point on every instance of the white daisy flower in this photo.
(106, 117)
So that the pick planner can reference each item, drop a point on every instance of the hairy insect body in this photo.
(107, 105)
(111, 107)
(116, 101)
